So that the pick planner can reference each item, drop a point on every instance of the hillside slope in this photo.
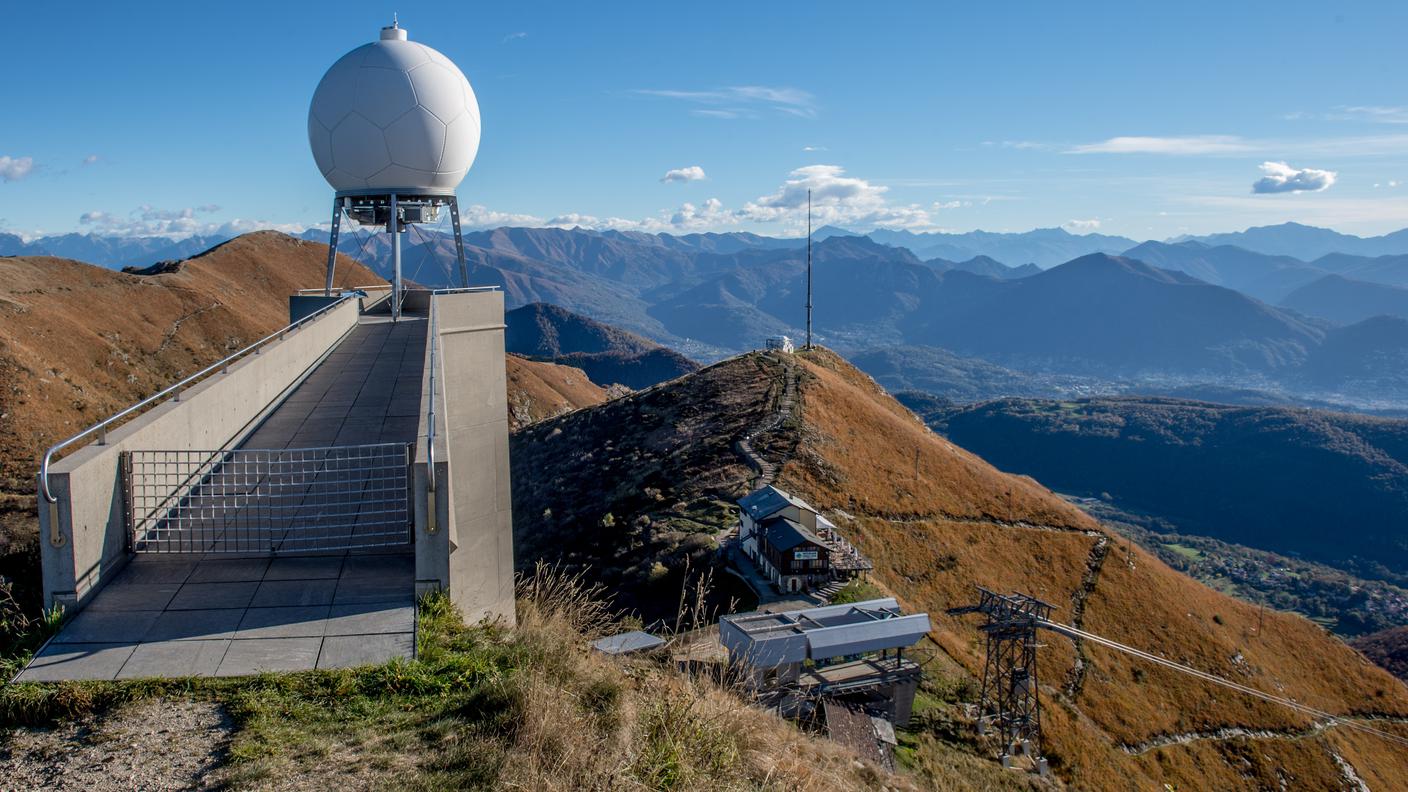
(539, 390)
(79, 342)
(1268, 477)
(1388, 648)
(1346, 301)
(607, 354)
(1369, 358)
(629, 488)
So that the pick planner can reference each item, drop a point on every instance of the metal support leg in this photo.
(459, 239)
(332, 245)
(393, 224)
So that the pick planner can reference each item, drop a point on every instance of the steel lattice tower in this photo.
(1011, 703)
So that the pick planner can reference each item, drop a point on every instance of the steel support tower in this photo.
(1011, 703)
(396, 212)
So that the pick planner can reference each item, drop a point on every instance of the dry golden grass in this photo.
(592, 722)
(79, 342)
(936, 520)
(538, 390)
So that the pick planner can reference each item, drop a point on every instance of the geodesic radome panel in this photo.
(394, 115)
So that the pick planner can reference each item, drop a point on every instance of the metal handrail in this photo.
(320, 290)
(101, 428)
(434, 331)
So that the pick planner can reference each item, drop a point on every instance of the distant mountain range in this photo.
(1044, 247)
(1306, 242)
(606, 354)
(109, 251)
(1160, 315)
(1267, 277)
(1347, 301)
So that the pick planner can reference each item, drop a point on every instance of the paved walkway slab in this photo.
(217, 616)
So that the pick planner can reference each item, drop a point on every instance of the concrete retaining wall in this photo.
(83, 537)
(464, 530)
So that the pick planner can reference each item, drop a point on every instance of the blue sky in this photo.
(1130, 119)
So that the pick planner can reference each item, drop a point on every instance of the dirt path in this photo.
(767, 471)
(1075, 679)
(150, 746)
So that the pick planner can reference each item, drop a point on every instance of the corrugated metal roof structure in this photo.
(770, 500)
(767, 640)
(627, 642)
(784, 534)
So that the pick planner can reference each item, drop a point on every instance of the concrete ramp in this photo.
(283, 513)
(326, 471)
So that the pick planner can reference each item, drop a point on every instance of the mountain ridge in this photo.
(606, 354)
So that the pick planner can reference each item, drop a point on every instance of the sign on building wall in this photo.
(804, 555)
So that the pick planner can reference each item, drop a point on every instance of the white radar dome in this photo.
(394, 116)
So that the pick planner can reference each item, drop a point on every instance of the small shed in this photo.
(780, 343)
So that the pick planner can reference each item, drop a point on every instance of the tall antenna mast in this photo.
(809, 269)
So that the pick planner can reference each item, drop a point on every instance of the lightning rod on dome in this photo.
(394, 127)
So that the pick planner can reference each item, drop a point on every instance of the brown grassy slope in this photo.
(936, 519)
(538, 390)
(1388, 648)
(632, 488)
(79, 342)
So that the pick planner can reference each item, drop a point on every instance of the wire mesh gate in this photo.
(268, 500)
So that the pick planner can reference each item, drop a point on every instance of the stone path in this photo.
(767, 471)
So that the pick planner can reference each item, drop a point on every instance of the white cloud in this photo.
(1020, 145)
(699, 218)
(689, 174)
(577, 219)
(91, 159)
(742, 100)
(814, 148)
(1282, 178)
(1344, 146)
(478, 216)
(147, 220)
(1375, 113)
(1082, 226)
(836, 198)
(515, 37)
(15, 168)
(1196, 144)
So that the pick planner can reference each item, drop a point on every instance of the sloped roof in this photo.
(784, 534)
(768, 501)
(771, 639)
(627, 642)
